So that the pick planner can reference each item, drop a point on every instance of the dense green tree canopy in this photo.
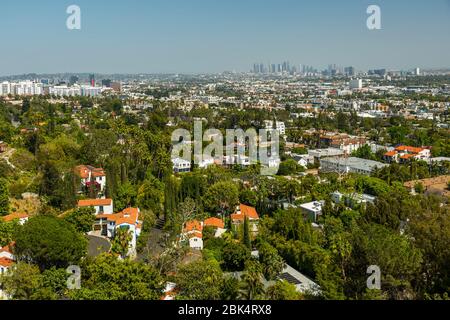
(48, 242)
(107, 278)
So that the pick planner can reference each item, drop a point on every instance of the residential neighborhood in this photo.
(173, 152)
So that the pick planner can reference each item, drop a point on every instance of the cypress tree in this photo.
(247, 240)
(4, 198)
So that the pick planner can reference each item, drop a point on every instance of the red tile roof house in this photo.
(6, 252)
(217, 224)
(128, 219)
(21, 217)
(243, 211)
(405, 153)
(89, 174)
(6, 261)
(193, 231)
(102, 206)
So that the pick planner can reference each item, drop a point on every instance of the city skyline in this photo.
(212, 37)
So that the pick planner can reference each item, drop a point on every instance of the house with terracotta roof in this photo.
(242, 212)
(5, 264)
(7, 259)
(128, 219)
(6, 252)
(21, 217)
(217, 224)
(404, 154)
(193, 233)
(214, 222)
(101, 206)
(90, 175)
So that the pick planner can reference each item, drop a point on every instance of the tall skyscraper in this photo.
(73, 80)
(92, 80)
(349, 71)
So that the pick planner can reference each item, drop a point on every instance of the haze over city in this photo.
(202, 36)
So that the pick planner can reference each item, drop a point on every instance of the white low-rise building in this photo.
(90, 174)
(349, 165)
(313, 209)
(101, 206)
(181, 165)
(328, 152)
(128, 219)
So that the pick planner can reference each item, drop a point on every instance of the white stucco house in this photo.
(101, 206)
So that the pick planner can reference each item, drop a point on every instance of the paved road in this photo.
(97, 246)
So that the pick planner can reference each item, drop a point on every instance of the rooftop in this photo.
(94, 202)
(127, 216)
(315, 206)
(14, 216)
(214, 222)
(5, 262)
(245, 211)
(357, 163)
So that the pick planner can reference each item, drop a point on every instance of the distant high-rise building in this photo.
(273, 68)
(349, 71)
(73, 80)
(261, 68)
(285, 67)
(106, 83)
(356, 84)
(92, 80)
(379, 72)
(293, 70)
(417, 71)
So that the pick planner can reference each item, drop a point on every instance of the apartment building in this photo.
(349, 165)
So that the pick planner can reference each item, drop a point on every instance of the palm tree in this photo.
(251, 285)
(121, 242)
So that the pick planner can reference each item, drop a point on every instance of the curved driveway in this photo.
(97, 245)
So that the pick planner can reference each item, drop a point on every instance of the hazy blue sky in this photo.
(186, 36)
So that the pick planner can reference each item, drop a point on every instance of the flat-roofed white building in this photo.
(313, 209)
(328, 152)
(23, 88)
(349, 165)
(65, 91)
(181, 165)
